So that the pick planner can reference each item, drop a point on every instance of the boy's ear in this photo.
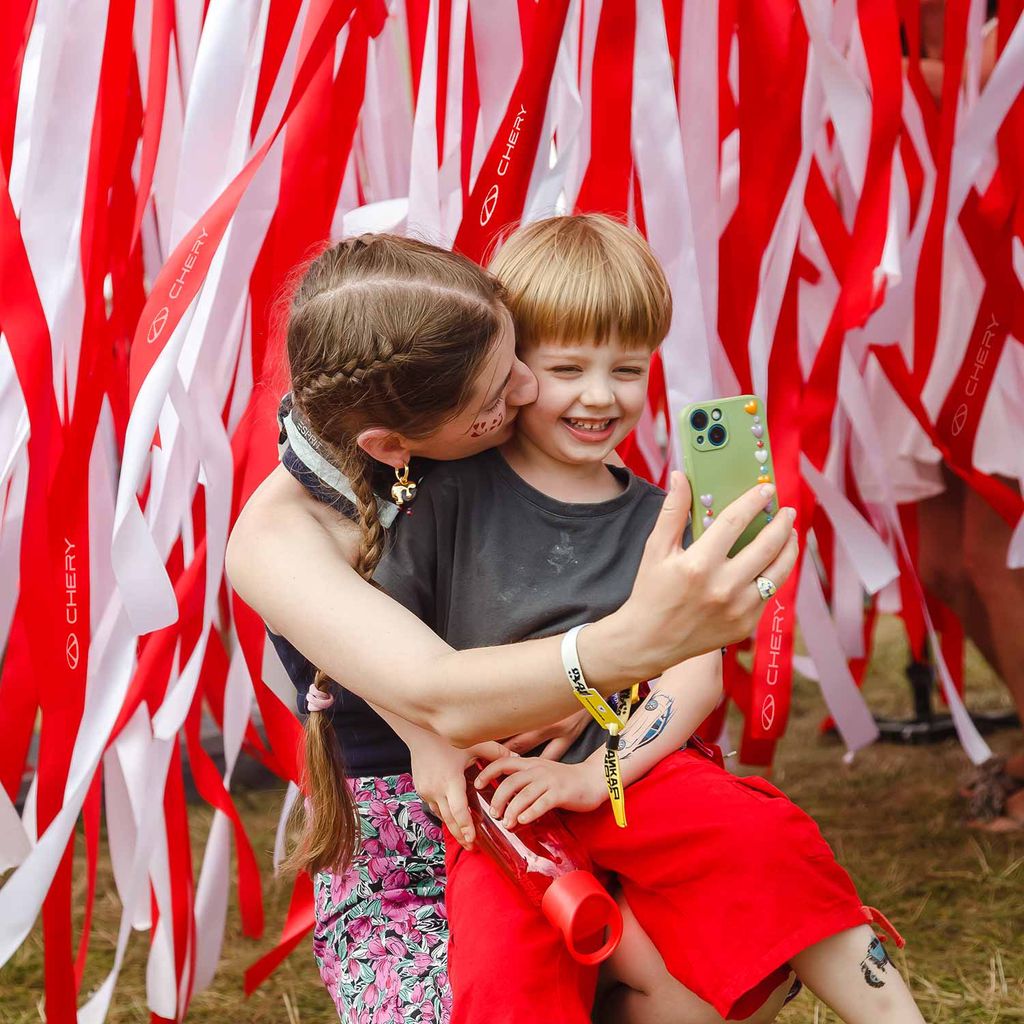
(385, 446)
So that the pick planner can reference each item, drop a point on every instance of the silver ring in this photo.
(766, 588)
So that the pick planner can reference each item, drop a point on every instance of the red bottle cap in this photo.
(586, 915)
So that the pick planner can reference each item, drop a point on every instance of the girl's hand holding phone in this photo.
(688, 602)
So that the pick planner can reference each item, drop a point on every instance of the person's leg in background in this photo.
(1001, 589)
(962, 560)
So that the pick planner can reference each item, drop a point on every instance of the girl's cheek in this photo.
(488, 424)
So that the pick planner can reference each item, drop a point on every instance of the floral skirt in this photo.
(381, 935)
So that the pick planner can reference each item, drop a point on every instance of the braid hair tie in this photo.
(317, 699)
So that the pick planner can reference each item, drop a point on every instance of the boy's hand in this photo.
(438, 773)
(558, 737)
(535, 785)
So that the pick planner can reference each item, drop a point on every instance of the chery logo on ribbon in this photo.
(974, 381)
(70, 603)
(71, 651)
(491, 199)
(156, 328)
(513, 139)
(775, 644)
(490, 202)
(959, 419)
(768, 712)
(190, 262)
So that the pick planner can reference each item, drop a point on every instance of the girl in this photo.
(730, 881)
(397, 348)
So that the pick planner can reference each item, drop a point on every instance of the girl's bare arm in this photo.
(290, 558)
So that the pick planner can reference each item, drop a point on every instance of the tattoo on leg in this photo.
(646, 725)
(874, 964)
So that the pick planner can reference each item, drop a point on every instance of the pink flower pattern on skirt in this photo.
(381, 935)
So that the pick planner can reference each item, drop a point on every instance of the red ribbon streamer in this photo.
(500, 191)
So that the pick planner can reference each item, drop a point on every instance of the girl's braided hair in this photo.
(390, 332)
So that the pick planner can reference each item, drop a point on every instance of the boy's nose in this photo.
(522, 389)
(597, 395)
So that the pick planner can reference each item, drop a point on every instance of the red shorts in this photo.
(727, 876)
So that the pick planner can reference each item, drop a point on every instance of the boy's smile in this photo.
(591, 431)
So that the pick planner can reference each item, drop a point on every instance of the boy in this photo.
(463, 565)
(723, 879)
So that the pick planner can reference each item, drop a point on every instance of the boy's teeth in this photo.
(589, 424)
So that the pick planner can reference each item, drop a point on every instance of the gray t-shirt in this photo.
(485, 559)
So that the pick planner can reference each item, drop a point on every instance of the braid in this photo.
(371, 546)
(354, 372)
(329, 835)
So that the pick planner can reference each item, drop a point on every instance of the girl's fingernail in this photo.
(767, 491)
(791, 512)
(467, 835)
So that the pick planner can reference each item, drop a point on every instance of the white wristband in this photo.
(571, 659)
(600, 710)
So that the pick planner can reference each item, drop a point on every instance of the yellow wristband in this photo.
(613, 779)
(602, 713)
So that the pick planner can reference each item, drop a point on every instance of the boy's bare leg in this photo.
(852, 973)
(648, 994)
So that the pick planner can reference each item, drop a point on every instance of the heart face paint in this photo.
(486, 426)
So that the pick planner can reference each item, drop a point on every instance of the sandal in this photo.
(989, 787)
(1001, 825)
(1008, 816)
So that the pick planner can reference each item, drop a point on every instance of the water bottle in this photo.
(545, 860)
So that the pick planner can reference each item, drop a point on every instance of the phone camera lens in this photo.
(716, 435)
(698, 419)
(716, 414)
(700, 439)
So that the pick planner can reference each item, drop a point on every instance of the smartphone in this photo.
(726, 451)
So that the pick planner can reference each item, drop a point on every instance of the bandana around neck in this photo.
(298, 437)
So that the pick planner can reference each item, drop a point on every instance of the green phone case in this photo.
(720, 473)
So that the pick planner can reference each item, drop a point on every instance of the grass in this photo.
(891, 816)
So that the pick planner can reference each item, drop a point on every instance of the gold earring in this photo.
(404, 492)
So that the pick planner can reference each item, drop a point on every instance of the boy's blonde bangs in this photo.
(579, 279)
